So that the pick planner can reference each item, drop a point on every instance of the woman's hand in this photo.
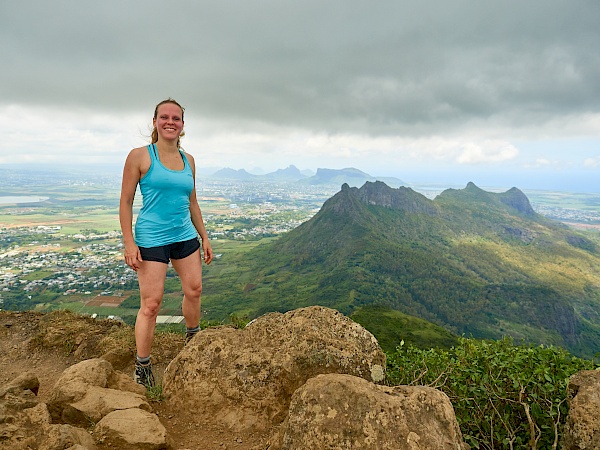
(133, 256)
(207, 250)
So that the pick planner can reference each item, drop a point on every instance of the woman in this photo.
(166, 229)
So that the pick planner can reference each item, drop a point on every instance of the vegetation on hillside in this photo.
(505, 396)
(391, 327)
(476, 263)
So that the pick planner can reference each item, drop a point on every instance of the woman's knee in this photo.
(194, 290)
(150, 307)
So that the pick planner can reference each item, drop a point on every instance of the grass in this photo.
(155, 393)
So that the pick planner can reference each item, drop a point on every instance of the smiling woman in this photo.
(166, 230)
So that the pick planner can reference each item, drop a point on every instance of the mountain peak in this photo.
(472, 187)
(380, 194)
(516, 199)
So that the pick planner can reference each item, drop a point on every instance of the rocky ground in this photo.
(49, 343)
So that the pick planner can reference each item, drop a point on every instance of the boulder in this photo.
(89, 390)
(337, 411)
(98, 402)
(17, 397)
(131, 429)
(39, 415)
(582, 427)
(27, 381)
(91, 372)
(123, 382)
(60, 437)
(119, 357)
(25, 423)
(246, 377)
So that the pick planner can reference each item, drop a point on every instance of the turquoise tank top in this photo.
(165, 214)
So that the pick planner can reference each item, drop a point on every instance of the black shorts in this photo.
(165, 253)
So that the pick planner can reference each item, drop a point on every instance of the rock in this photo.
(131, 429)
(122, 382)
(39, 415)
(83, 393)
(17, 395)
(93, 372)
(25, 381)
(92, 392)
(247, 377)
(25, 423)
(61, 437)
(14, 402)
(98, 402)
(582, 427)
(61, 397)
(337, 411)
(119, 357)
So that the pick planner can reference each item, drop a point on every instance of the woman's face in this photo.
(169, 121)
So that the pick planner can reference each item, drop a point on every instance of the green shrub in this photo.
(504, 395)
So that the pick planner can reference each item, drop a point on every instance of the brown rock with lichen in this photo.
(342, 411)
(132, 429)
(25, 423)
(247, 377)
(91, 389)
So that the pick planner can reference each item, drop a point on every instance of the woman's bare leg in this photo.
(151, 278)
(189, 270)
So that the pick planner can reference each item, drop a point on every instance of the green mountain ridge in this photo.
(474, 262)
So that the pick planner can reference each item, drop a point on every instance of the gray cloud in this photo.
(388, 67)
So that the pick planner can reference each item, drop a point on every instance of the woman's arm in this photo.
(131, 178)
(196, 215)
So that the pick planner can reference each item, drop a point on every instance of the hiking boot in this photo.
(143, 374)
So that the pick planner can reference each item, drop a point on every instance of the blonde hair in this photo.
(154, 135)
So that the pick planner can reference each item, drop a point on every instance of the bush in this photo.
(504, 395)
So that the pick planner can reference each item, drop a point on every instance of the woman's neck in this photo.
(167, 146)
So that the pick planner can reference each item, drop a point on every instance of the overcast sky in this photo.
(500, 93)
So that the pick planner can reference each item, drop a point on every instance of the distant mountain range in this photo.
(477, 263)
(291, 174)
